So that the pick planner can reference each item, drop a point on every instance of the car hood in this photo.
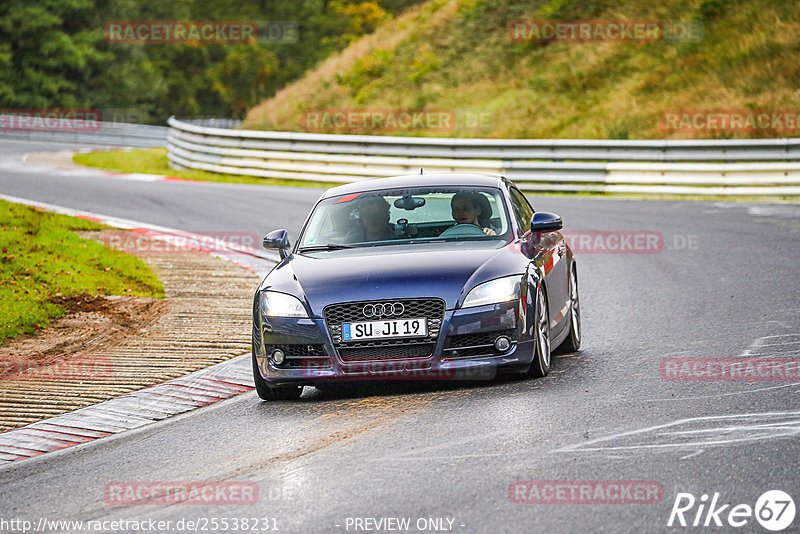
(386, 273)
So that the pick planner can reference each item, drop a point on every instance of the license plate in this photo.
(413, 327)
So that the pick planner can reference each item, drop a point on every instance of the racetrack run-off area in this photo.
(201, 323)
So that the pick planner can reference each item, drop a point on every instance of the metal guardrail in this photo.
(705, 167)
(99, 133)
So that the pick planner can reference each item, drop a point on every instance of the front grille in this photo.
(470, 345)
(303, 356)
(390, 352)
(385, 349)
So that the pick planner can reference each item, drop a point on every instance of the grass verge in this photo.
(154, 161)
(42, 259)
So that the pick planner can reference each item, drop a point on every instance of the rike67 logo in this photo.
(774, 510)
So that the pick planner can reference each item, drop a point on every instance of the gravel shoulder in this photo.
(108, 346)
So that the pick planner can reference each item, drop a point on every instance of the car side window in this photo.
(523, 212)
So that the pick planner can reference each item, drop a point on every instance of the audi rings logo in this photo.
(383, 309)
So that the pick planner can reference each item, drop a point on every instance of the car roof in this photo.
(416, 180)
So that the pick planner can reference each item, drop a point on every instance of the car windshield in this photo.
(410, 215)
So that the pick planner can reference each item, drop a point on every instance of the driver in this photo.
(375, 221)
(466, 209)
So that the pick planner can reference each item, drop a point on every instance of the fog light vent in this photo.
(278, 356)
(502, 343)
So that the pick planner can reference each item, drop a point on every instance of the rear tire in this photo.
(269, 392)
(540, 365)
(573, 341)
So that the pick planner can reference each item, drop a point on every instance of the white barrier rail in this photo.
(96, 132)
(704, 167)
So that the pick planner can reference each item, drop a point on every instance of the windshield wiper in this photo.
(329, 246)
(456, 239)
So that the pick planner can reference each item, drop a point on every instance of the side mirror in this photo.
(277, 239)
(544, 221)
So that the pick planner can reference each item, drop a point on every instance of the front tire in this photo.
(270, 392)
(540, 365)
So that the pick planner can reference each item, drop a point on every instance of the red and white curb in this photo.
(132, 410)
(258, 261)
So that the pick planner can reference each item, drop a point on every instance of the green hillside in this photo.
(457, 58)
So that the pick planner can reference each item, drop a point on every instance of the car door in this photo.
(552, 258)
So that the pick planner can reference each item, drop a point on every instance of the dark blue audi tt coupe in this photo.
(431, 277)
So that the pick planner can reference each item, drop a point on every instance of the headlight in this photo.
(281, 305)
(500, 290)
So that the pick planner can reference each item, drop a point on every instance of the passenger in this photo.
(466, 209)
(375, 221)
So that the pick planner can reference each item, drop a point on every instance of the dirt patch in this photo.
(92, 323)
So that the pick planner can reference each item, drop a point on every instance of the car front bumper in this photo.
(462, 350)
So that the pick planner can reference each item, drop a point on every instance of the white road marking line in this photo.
(759, 431)
(787, 211)
(718, 395)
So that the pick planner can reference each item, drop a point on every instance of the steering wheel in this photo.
(463, 230)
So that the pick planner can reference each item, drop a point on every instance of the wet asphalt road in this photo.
(726, 283)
